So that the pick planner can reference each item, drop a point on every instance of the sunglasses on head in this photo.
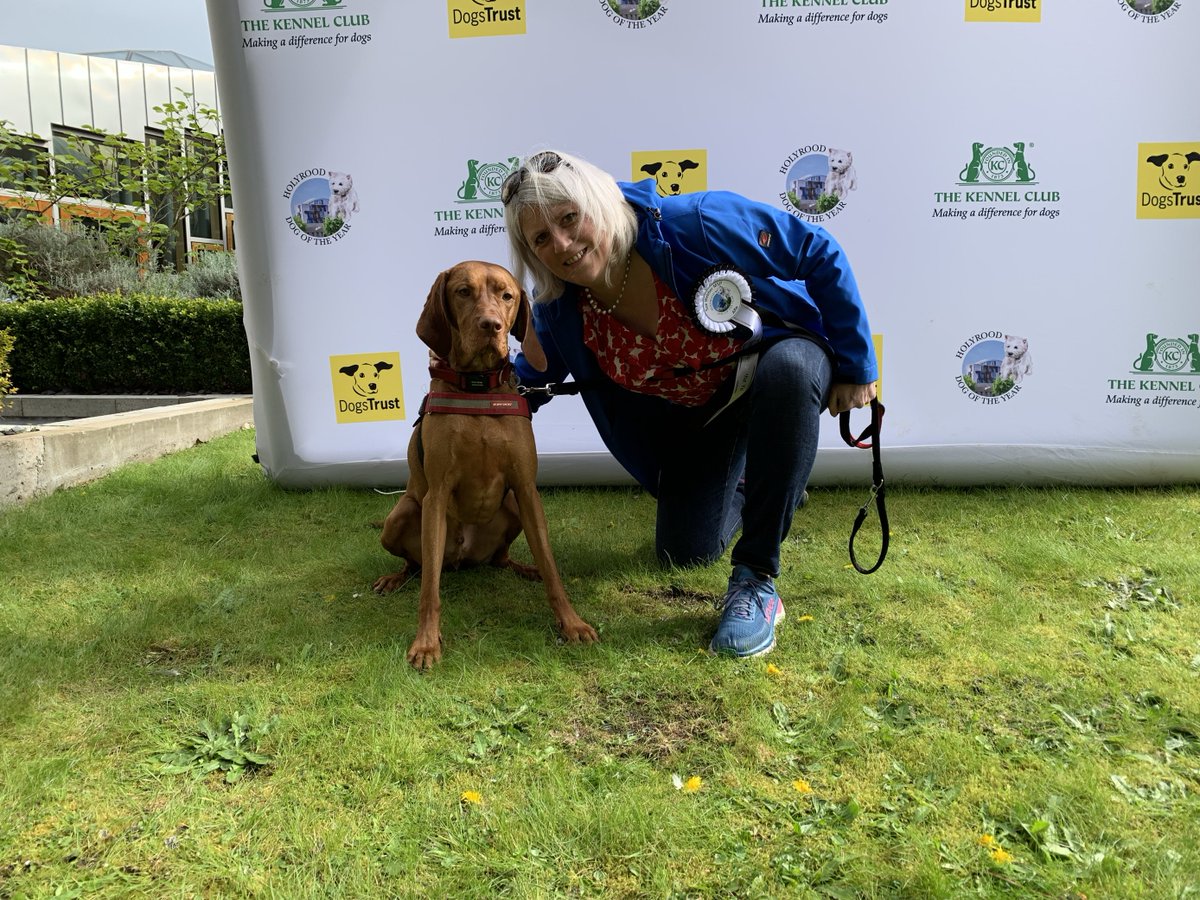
(543, 163)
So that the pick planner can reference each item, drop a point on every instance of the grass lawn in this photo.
(201, 696)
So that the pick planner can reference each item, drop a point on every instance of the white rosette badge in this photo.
(723, 302)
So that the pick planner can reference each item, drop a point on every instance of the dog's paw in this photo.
(423, 655)
(385, 584)
(578, 632)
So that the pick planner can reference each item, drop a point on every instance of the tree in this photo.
(147, 187)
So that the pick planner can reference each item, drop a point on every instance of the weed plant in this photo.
(1010, 707)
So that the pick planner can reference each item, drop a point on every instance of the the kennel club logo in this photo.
(320, 205)
(485, 18)
(1004, 10)
(995, 366)
(367, 387)
(997, 182)
(1149, 10)
(1169, 355)
(817, 180)
(1168, 181)
(476, 208)
(1165, 373)
(674, 171)
(634, 15)
(301, 4)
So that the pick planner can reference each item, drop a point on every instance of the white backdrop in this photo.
(1028, 173)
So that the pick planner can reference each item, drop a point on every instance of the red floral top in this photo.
(652, 365)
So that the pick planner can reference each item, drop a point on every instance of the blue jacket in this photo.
(799, 277)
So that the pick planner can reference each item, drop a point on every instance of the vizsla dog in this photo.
(472, 460)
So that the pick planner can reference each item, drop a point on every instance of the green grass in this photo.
(1025, 666)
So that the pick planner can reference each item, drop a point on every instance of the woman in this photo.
(715, 413)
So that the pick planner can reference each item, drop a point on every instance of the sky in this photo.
(88, 26)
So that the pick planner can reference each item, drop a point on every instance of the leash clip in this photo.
(525, 390)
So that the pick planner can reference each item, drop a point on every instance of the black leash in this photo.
(877, 486)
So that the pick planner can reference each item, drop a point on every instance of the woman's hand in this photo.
(845, 397)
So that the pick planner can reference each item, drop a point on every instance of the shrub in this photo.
(115, 344)
(55, 258)
(212, 274)
(6, 344)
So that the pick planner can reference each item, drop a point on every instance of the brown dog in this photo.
(472, 478)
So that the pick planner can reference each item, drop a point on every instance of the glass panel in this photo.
(158, 90)
(14, 99)
(132, 86)
(106, 104)
(45, 101)
(92, 169)
(76, 90)
(26, 162)
(205, 218)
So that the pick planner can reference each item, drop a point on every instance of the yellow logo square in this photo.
(674, 171)
(1168, 180)
(367, 387)
(485, 18)
(1004, 10)
(877, 340)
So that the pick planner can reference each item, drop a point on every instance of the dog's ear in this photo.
(433, 327)
(686, 164)
(651, 168)
(383, 365)
(1157, 159)
(348, 370)
(1193, 156)
(524, 332)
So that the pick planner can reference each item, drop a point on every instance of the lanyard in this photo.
(877, 487)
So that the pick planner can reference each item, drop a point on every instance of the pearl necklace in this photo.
(591, 298)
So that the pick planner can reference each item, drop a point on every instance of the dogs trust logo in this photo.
(817, 180)
(485, 18)
(1168, 181)
(995, 366)
(1004, 10)
(321, 204)
(674, 171)
(367, 387)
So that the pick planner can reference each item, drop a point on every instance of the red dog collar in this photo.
(475, 404)
(473, 382)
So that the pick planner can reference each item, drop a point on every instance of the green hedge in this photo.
(127, 344)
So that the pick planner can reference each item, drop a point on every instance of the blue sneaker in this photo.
(749, 613)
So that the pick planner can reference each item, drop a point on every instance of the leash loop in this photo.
(878, 492)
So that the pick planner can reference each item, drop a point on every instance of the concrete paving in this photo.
(35, 461)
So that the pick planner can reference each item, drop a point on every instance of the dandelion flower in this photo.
(473, 797)
(1001, 856)
(774, 670)
(802, 786)
(693, 784)
(985, 840)
(805, 618)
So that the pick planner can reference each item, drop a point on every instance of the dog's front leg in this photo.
(533, 520)
(426, 649)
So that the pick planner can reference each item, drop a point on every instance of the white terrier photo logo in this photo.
(321, 203)
(995, 366)
(818, 181)
(343, 199)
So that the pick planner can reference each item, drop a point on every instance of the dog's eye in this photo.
(508, 296)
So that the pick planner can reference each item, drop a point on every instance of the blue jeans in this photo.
(746, 469)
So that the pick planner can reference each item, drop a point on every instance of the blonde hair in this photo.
(592, 191)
